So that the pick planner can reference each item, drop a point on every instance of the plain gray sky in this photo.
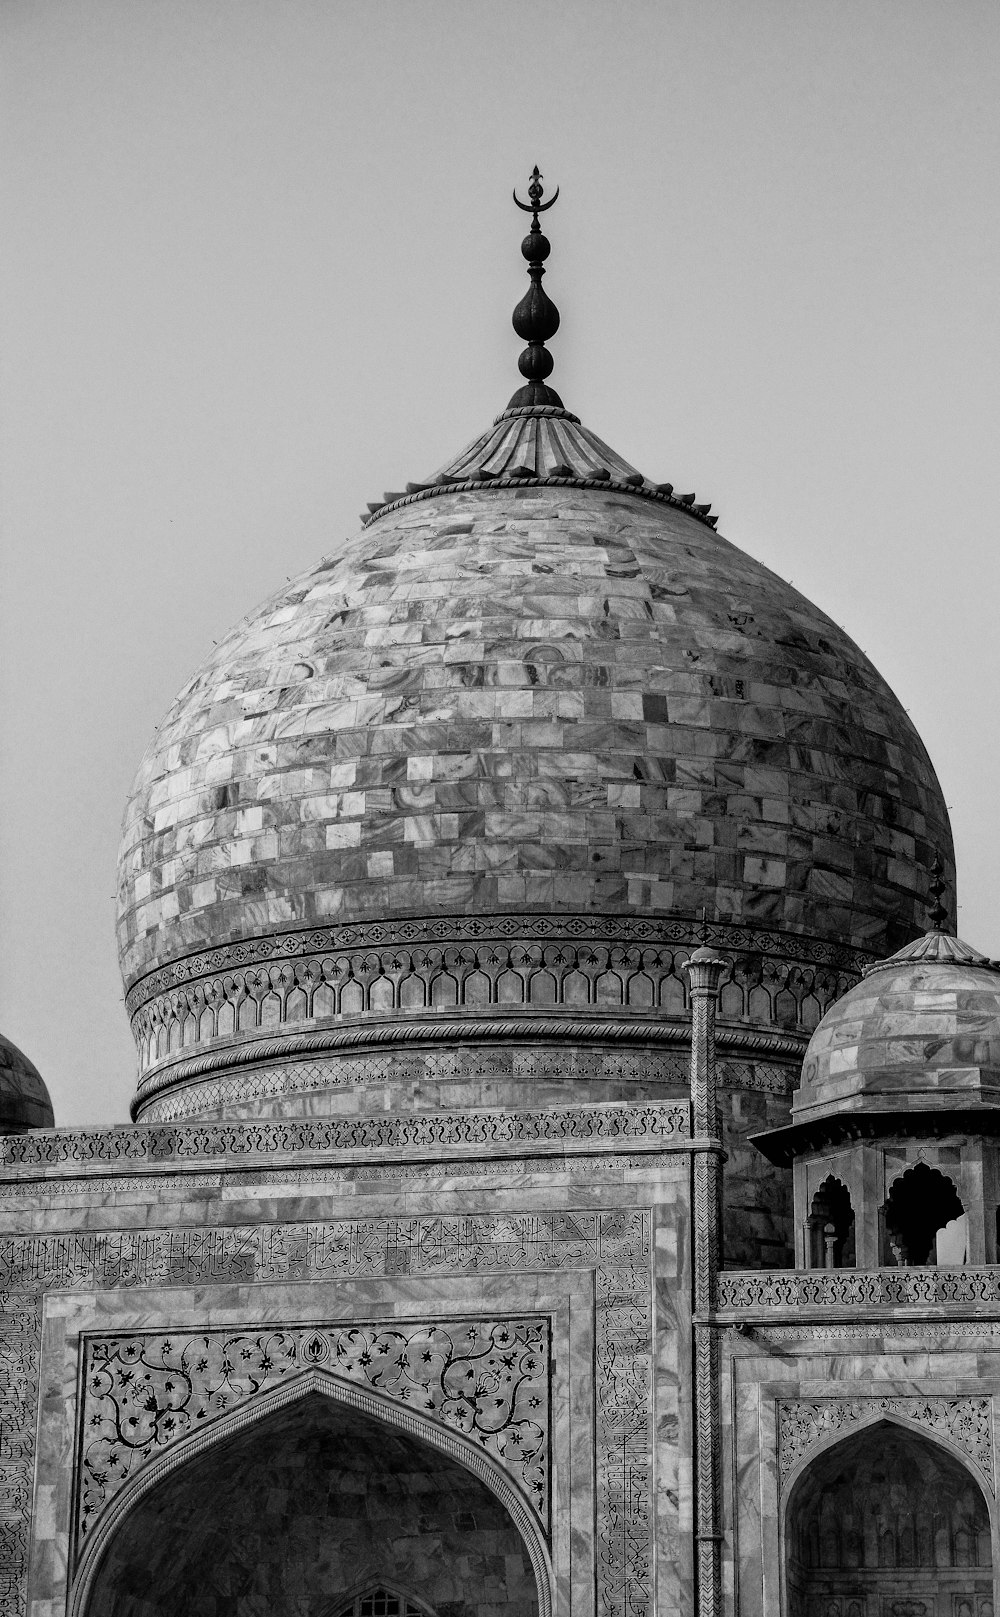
(260, 263)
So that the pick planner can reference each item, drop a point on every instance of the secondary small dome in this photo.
(24, 1099)
(922, 1030)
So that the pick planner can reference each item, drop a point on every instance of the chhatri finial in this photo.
(536, 317)
(937, 915)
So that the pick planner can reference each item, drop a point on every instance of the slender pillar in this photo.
(705, 972)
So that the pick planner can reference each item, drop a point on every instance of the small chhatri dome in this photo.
(920, 1033)
(24, 1099)
(470, 779)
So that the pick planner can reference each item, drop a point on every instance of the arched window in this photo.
(890, 1521)
(831, 1227)
(383, 1602)
(924, 1221)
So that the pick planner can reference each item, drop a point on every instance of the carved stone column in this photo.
(706, 971)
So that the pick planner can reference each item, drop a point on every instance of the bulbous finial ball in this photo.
(536, 317)
(536, 363)
(535, 247)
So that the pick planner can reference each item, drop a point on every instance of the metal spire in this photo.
(937, 914)
(536, 317)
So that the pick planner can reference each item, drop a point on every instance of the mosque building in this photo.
(563, 1178)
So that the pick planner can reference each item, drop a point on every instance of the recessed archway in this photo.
(886, 1516)
(290, 1512)
(924, 1220)
(831, 1227)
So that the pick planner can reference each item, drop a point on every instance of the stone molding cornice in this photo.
(554, 1129)
(918, 1120)
(603, 485)
(392, 1034)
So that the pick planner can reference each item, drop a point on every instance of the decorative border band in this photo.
(388, 1035)
(516, 985)
(788, 1290)
(444, 931)
(236, 1143)
(479, 485)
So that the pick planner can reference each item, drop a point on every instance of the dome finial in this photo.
(937, 914)
(536, 317)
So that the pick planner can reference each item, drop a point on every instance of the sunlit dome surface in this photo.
(542, 697)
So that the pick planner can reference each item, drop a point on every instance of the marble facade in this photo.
(260, 1270)
(575, 1254)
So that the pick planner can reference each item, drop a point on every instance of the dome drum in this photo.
(554, 980)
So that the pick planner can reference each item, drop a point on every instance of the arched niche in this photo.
(289, 1509)
(924, 1221)
(887, 1517)
(830, 1226)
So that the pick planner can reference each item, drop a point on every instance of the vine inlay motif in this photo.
(789, 1289)
(967, 1423)
(487, 1379)
(271, 1138)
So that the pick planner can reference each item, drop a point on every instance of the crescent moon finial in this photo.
(536, 191)
(536, 317)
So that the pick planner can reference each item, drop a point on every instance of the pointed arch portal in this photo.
(887, 1520)
(302, 1510)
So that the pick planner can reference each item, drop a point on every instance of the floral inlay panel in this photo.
(967, 1423)
(487, 1379)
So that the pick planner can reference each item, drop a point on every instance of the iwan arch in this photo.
(563, 1173)
(311, 1488)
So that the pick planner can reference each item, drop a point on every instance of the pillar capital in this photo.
(705, 970)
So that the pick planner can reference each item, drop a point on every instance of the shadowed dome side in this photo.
(24, 1099)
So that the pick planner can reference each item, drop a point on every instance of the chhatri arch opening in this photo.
(888, 1520)
(924, 1221)
(313, 1508)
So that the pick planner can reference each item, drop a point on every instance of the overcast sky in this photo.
(259, 267)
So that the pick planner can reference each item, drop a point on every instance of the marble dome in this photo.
(537, 691)
(24, 1099)
(445, 816)
(920, 1032)
(547, 697)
